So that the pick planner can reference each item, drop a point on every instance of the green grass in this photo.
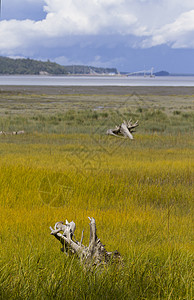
(140, 192)
(82, 113)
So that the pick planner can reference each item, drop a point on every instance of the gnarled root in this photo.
(95, 254)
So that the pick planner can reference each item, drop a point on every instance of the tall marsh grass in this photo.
(140, 194)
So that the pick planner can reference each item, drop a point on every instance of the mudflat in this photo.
(99, 90)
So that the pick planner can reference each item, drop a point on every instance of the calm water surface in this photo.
(96, 80)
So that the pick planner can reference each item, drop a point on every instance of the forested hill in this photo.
(35, 67)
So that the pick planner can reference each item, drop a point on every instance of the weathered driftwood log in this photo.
(125, 129)
(95, 254)
(12, 133)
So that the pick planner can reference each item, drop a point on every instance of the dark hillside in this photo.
(35, 67)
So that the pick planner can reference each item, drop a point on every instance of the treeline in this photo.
(35, 67)
(29, 66)
(75, 69)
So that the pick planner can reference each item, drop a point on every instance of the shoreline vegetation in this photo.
(140, 192)
(27, 66)
(23, 66)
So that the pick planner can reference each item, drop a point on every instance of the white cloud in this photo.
(88, 17)
(179, 34)
(153, 21)
(14, 33)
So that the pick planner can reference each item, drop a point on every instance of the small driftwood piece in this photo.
(12, 133)
(125, 129)
(2, 133)
(93, 255)
(18, 132)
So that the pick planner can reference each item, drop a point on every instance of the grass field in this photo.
(64, 167)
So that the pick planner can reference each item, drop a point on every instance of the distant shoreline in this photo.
(99, 90)
(98, 75)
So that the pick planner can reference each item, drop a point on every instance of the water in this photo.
(34, 80)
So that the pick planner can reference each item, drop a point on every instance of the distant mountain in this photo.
(162, 73)
(36, 67)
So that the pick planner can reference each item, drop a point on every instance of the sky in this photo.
(130, 35)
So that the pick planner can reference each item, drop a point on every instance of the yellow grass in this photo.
(140, 196)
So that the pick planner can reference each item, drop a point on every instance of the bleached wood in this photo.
(12, 133)
(94, 254)
(125, 129)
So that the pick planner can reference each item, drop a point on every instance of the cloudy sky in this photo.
(130, 35)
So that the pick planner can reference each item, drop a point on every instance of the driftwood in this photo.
(2, 133)
(18, 132)
(93, 255)
(12, 133)
(125, 129)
